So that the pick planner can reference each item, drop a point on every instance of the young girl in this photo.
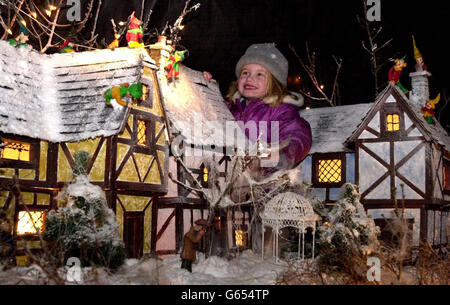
(260, 95)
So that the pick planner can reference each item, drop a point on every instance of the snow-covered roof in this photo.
(59, 97)
(331, 126)
(434, 131)
(197, 109)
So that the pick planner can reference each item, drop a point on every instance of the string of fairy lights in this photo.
(50, 7)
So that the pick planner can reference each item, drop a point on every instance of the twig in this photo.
(310, 71)
(95, 20)
(142, 9)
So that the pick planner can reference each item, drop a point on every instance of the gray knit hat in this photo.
(268, 56)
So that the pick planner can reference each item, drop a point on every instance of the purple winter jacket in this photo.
(291, 125)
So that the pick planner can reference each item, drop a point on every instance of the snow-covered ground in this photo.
(246, 269)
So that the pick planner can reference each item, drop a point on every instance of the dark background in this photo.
(220, 31)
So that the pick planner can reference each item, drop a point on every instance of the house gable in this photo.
(390, 118)
(411, 122)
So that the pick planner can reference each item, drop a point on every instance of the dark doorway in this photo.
(133, 234)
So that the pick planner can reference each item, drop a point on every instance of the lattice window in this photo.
(141, 132)
(392, 122)
(16, 150)
(330, 171)
(28, 222)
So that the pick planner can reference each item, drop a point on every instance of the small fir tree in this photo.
(85, 228)
(348, 233)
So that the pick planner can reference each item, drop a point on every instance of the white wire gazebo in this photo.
(288, 209)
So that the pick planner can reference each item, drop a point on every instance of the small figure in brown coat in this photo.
(191, 241)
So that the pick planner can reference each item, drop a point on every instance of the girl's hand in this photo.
(207, 76)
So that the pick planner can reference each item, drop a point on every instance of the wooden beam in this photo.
(165, 225)
(154, 225)
(375, 156)
(375, 184)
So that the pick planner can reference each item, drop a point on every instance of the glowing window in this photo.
(205, 174)
(203, 177)
(240, 237)
(393, 122)
(330, 171)
(16, 150)
(141, 132)
(30, 221)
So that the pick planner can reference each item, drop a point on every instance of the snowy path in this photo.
(247, 269)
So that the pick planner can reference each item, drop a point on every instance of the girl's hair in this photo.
(274, 89)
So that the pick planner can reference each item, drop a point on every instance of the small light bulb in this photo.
(52, 7)
(48, 12)
(322, 86)
(121, 23)
(307, 108)
(23, 22)
(34, 14)
(9, 31)
(181, 27)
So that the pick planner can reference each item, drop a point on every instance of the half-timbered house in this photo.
(52, 106)
(391, 152)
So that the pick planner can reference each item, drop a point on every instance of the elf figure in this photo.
(119, 92)
(66, 47)
(135, 34)
(173, 68)
(396, 71)
(21, 39)
(428, 109)
(420, 65)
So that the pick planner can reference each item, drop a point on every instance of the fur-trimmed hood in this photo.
(293, 98)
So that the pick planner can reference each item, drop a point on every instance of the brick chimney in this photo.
(420, 92)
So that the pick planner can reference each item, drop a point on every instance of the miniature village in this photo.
(110, 157)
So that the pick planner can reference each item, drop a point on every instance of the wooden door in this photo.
(133, 234)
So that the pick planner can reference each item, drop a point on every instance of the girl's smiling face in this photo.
(253, 81)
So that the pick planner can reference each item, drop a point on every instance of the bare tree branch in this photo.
(372, 49)
(95, 23)
(310, 71)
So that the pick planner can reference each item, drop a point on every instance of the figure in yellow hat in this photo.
(428, 109)
(420, 65)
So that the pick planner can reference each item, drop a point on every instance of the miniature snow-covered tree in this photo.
(85, 228)
(348, 233)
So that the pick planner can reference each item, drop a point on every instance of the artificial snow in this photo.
(59, 97)
(246, 269)
(331, 126)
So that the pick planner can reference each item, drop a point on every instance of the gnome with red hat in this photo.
(135, 34)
